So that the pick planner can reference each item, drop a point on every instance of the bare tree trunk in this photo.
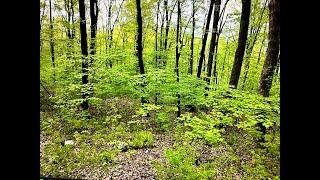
(204, 40)
(277, 67)
(73, 30)
(178, 39)
(250, 45)
(84, 51)
(260, 50)
(93, 26)
(51, 40)
(156, 33)
(41, 18)
(273, 49)
(243, 33)
(139, 46)
(213, 42)
(224, 58)
(192, 39)
(168, 22)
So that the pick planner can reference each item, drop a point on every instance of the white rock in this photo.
(68, 142)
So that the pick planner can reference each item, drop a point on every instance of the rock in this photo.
(69, 142)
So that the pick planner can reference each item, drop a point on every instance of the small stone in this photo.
(69, 142)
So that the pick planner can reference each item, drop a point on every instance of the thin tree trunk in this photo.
(84, 51)
(139, 46)
(250, 46)
(213, 42)
(178, 56)
(94, 10)
(41, 18)
(224, 58)
(156, 47)
(168, 22)
(93, 26)
(273, 49)
(52, 41)
(260, 50)
(243, 33)
(73, 30)
(277, 68)
(192, 39)
(204, 40)
(156, 33)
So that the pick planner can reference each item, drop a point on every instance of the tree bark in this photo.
(273, 49)
(84, 51)
(243, 33)
(156, 33)
(51, 40)
(204, 40)
(192, 39)
(251, 44)
(139, 46)
(41, 18)
(93, 26)
(178, 39)
(213, 42)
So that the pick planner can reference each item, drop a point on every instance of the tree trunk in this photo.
(192, 39)
(204, 40)
(224, 59)
(139, 37)
(139, 46)
(278, 67)
(243, 33)
(250, 46)
(41, 18)
(273, 48)
(167, 24)
(84, 51)
(73, 30)
(52, 41)
(156, 33)
(178, 39)
(93, 26)
(213, 42)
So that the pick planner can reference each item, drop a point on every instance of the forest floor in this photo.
(125, 147)
(137, 164)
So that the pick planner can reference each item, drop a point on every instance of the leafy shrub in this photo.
(182, 165)
(142, 139)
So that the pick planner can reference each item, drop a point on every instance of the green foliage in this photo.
(182, 165)
(142, 139)
(202, 129)
(228, 122)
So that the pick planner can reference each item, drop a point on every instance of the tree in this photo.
(42, 13)
(192, 38)
(178, 39)
(271, 60)
(253, 36)
(204, 39)
(213, 42)
(168, 22)
(84, 51)
(156, 33)
(243, 33)
(51, 39)
(139, 46)
(94, 10)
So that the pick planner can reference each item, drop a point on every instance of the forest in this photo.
(160, 89)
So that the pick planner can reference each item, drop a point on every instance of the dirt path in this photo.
(139, 165)
(133, 164)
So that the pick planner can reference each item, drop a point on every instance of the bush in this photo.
(142, 139)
